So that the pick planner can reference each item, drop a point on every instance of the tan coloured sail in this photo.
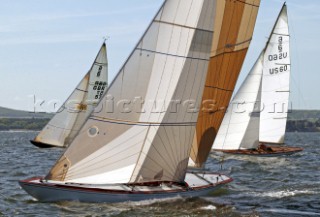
(233, 32)
(143, 142)
(69, 119)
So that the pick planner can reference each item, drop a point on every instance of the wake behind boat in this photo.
(195, 185)
(256, 122)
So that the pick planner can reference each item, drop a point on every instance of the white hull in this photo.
(49, 192)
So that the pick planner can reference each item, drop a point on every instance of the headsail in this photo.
(149, 135)
(232, 36)
(240, 125)
(69, 119)
(276, 83)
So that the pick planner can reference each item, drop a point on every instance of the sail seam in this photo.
(102, 64)
(237, 44)
(61, 128)
(145, 123)
(248, 3)
(81, 90)
(167, 54)
(183, 26)
(219, 88)
(226, 52)
(274, 33)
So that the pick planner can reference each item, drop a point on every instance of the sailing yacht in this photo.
(258, 112)
(143, 154)
(65, 125)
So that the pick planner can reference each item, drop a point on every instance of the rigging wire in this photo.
(297, 84)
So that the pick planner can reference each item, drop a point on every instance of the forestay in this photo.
(143, 129)
(69, 119)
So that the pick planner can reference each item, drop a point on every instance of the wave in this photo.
(285, 193)
(209, 207)
(287, 211)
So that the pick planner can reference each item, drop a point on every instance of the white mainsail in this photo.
(276, 83)
(148, 141)
(64, 126)
(249, 120)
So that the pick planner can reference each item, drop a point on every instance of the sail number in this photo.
(99, 71)
(281, 55)
(278, 69)
(99, 87)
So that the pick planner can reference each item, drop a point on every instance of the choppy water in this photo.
(262, 186)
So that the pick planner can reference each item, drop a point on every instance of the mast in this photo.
(232, 38)
(143, 140)
(276, 82)
(68, 120)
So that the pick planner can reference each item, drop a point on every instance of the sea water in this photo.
(279, 186)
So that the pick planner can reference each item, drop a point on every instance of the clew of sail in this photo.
(63, 127)
(148, 136)
(233, 32)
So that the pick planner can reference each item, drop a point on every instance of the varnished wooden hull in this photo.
(272, 151)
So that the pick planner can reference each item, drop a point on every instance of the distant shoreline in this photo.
(37, 124)
(15, 120)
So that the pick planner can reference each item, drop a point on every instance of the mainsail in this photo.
(233, 33)
(276, 83)
(64, 126)
(265, 89)
(148, 136)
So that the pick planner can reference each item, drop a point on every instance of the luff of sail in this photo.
(276, 83)
(64, 126)
(234, 30)
(169, 64)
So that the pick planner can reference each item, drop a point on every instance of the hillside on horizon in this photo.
(12, 113)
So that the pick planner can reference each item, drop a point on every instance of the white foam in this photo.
(286, 193)
(209, 207)
(150, 202)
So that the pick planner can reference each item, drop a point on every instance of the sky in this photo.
(47, 46)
